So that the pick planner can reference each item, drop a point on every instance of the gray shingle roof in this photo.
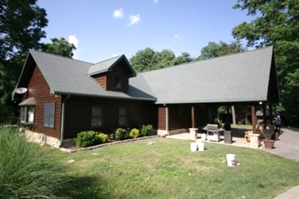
(242, 77)
(107, 65)
(238, 77)
(69, 76)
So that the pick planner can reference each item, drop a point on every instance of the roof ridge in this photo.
(118, 56)
(38, 51)
(210, 59)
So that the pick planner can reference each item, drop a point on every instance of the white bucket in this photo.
(193, 146)
(231, 160)
(203, 137)
(200, 145)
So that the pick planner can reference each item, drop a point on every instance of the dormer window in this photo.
(117, 82)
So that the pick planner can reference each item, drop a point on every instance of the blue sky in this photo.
(101, 29)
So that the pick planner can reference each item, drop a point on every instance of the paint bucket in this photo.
(203, 137)
(200, 145)
(193, 146)
(231, 160)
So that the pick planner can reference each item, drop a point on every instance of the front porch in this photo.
(237, 138)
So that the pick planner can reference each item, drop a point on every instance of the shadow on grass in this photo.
(85, 187)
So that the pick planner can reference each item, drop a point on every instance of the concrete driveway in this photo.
(287, 145)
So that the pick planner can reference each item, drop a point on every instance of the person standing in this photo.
(278, 124)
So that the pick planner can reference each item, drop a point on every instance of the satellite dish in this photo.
(21, 90)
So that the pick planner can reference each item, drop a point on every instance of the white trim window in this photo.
(27, 114)
(49, 115)
(122, 116)
(96, 116)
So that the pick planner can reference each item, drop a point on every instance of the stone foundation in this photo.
(41, 138)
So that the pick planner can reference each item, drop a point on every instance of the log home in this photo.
(65, 96)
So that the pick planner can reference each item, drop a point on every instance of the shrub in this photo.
(87, 138)
(134, 133)
(121, 134)
(146, 130)
(103, 138)
(26, 171)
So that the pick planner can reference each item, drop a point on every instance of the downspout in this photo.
(62, 120)
(166, 117)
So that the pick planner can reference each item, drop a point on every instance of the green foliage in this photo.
(21, 28)
(103, 138)
(134, 133)
(214, 49)
(277, 23)
(148, 59)
(27, 171)
(146, 130)
(121, 134)
(59, 47)
(87, 138)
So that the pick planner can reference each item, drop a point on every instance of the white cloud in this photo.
(75, 41)
(134, 19)
(176, 36)
(118, 13)
(155, 1)
(115, 55)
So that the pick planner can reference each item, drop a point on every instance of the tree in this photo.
(164, 59)
(21, 24)
(59, 47)
(277, 24)
(184, 58)
(21, 28)
(214, 49)
(144, 60)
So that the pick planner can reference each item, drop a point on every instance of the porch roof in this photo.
(242, 77)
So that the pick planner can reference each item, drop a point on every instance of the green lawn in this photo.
(168, 169)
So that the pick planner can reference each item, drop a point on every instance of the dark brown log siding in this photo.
(179, 117)
(39, 89)
(102, 80)
(162, 118)
(78, 114)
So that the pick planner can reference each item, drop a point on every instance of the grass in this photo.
(168, 169)
(28, 172)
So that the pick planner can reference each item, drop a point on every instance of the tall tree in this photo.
(59, 47)
(164, 59)
(277, 23)
(181, 59)
(21, 28)
(144, 60)
(214, 49)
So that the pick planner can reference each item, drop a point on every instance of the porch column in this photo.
(253, 118)
(271, 115)
(193, 117)
(227, 114)
(264, 114)
(166, 118)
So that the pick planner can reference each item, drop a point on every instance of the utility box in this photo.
(228, 137)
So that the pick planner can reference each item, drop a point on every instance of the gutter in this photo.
(62, 119)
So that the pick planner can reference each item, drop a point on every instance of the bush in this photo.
(146, 130)
(121, 134)
(87, 138)
(26, 171)
(103, 138)
(134, 133)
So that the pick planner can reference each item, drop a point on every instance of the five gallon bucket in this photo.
(203, 137)
(200, 145)
(231, 160)
(193, 146)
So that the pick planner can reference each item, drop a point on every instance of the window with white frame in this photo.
(122, 116)
(27, 114)
(96, 116)
(49, 114)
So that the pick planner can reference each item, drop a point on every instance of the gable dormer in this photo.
(113, 74)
